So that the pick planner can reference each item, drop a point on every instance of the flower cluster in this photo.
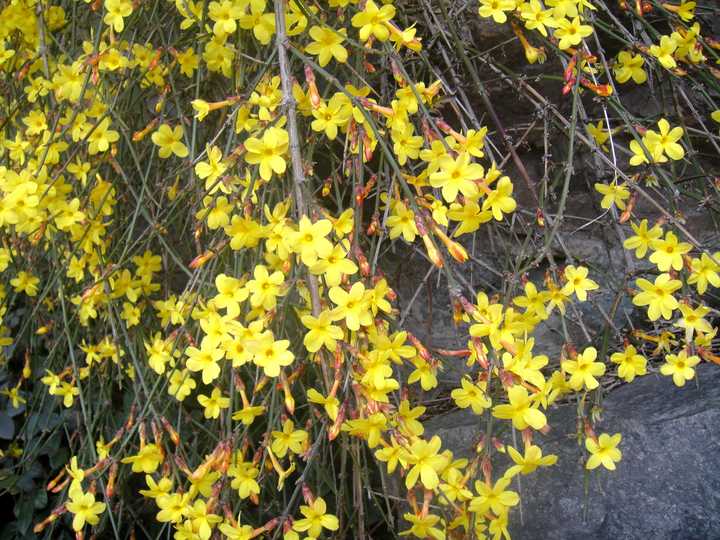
(201, 204)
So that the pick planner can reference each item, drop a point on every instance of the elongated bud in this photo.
(313, 93)
(201, 260)
(422, 351)
(59, 511)
(362, 261)
(289, 399)
(334, 430)
(456, 250)
(629, 208)
(308, 496)
(532, 54)
(26, 371)
(174, 437)
(42, 330)
(433, 253)
(602, 90)
(568, 74)
(112, 477)
(486, 468)
(54, 481)
(140, 135)
(261, 384)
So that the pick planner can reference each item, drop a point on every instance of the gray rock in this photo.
(667, 485)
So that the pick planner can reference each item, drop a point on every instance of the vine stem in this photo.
(291, 115)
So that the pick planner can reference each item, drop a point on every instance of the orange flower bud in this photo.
(334, 430)
(312, 87)
(140, 135)
(174, 437)
(200, 260)
(629, 208)
(602, 90)
(456, 250)
(110, 488)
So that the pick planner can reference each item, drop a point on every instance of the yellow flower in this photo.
(664, 52)
(470, 217)
(680, 367)
(181, 384)
(668, 252)
(331, 115)
(457, 175)
(370, 428)
(25, 282)
(205, 360)
(577, 282)
(201, 107)
(613, 193)
(321, 332)
(330, 403)
(316, 519)
(530, 461)
(101, 137)
(147, 459)
(640, 155)
(224, 14)
(243, 476)
(630, 363)
(584, 369)
(288, 439)
(694, 320)
(471, 395)
(271, 354)
(496, 9)
(423, 526)
(686, 10)
(643, 238)
(630, 66)
(537, 18)
(520, 410)
(188, 62)
(214, 403)
(169, 140)
(658, 296)
(372, 20)
(402, 222)
(115, 11)
(705, 271)
(310, 241)
(268, 152)
(500, 200)
(352, 306)
(599, 133)
(426, 463)
(156, 488)
(666, 140)
(571, 33)
(264, 288)
(392, 454)
(212, 169)
(327, 43)
(85, 508)
(173, 507)
(405, 143)
(334, 266)
(603, 452)
(494, 498)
